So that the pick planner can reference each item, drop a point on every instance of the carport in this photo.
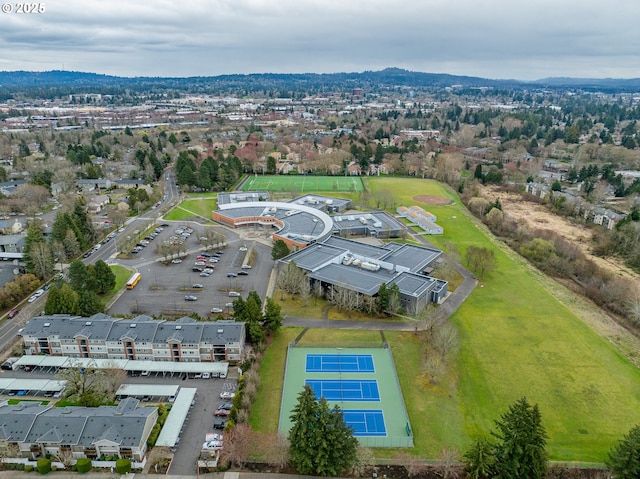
(33, 387)
(151, 391)
(170, 434)
(53, 363)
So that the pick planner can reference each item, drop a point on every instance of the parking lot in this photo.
(165, 285)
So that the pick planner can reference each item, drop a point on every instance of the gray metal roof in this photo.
(412, 284)
(416, 258)
(319, 201)
(397, 263)
(140, 329)
(299, 221)
(351, 277)
(125, 364)
(176, 418)
(153, 390)
(123, 425)
(34, 385)
(16, 420)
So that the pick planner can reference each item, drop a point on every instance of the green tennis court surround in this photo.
(361, 381)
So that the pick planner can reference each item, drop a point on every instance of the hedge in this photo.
(123, 466)
(83, 464)
(44, 465)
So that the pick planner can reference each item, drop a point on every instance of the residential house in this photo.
(97, 203)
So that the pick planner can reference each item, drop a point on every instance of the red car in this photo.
(222, 412)
(13, 313)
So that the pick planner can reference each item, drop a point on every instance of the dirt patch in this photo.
(432, 200)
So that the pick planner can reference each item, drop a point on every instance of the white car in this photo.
(176, 261)
(32, 299)
(217, 310)
(227, 395)
(212, 445)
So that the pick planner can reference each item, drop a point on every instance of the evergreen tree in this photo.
(478, 173)
(279, 250)
(34, 236)
(272, 316)
(320, 441)
(382, 300)
(624, 458)
(104, 277)
(80, 279)
(83, 222)
(61, 300)
(480, 460)
(89, 304)
(520, 451)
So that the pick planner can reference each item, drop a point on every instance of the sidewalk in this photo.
(108, 475)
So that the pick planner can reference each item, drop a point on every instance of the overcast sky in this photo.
(521, 39)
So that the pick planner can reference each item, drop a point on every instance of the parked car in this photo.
(232, 275)
(190, 297)
(220, 423)
(197, 286)
(176, 261)
(13, 313)
(226, 405)
(246, 266)
(217, 310)
(242, 273)
(206, 273)
(212, 445)
(219, 252)
(227, 395)
(200, 263)
(197, 269)
(234, 294)
(222, 412)
(32, 299)
(206, 375)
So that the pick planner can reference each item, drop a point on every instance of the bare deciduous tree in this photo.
(275, 449)
(412, 465)
(365, 461)
(113, 376)
(237, 445)
(445, 339)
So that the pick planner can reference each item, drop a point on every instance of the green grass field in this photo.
(193, 207)
(516, 339)
(303, 184)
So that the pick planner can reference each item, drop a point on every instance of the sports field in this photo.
(361, 381)
(302, 183)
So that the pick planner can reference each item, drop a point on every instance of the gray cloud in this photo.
(493, 38)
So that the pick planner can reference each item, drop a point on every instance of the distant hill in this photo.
(390, 77)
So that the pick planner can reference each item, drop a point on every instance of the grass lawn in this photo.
(266, 407)
(195, 207)
(122, 276)
(517, 340)
(303, 183)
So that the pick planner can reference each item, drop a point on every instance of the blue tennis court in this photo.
(345, 390)
(345, 363)
(365, 422)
